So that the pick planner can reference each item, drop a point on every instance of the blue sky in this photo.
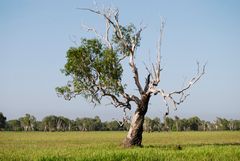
(35, 35)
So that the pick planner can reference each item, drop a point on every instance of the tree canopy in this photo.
(93, 69)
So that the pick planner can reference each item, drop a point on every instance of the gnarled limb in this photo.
(170, 96)
(192, 81)
(135, 72)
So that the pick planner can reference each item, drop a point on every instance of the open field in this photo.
(106, 146)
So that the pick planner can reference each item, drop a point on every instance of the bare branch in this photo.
(135, 72)
(122, 58)
(91, 10)
(125, 103)
(183, 97)
(131, 98)
(107, 33)
(125, 118)
(92, 30)
(131, 60)
(193, 81)
(136, 39)
(149, 72)
(156, 69)
(120, 123)
(105, 39)
(72, 38)
(116, 102)
(198, 68)
(154, 73)
(107, 14)
(147, 83)
(159, 46)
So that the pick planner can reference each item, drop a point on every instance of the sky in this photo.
(35, 35)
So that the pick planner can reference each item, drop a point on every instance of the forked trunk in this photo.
(134, 136)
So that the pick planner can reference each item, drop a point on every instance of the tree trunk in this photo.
(177, 125)
(134, 136)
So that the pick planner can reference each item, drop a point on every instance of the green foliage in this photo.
(169, 123)
(113, 126)
(56, 123)
(129, 37)
(151, 125)
(28, 122)
(89, 124)
(14, 125)
(194, 123)
(60, 123)
(93, 68)
(222, 124)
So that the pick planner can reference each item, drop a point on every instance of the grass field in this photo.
(106, 146)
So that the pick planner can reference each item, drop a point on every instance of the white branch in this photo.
(159, 46)
(107, 33)
(105, 39)
(135, 72)
(156, 68)
(73, 39)
(183, 97)
(193, 81)
(170, 96)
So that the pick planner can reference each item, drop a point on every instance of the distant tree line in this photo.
(59, 123)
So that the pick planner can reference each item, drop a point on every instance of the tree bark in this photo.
(134, 136)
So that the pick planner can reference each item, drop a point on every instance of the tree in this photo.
(56, 123)
(168, 124)
(39, 126)
(148, 124)
(184, 124)
(222, 124)
(50, 123)
(28, 122)
(95, 71)
(14, 125)
(151, 125)
(156, 124)
(194, 123)
(177, 122)
(89, 124)
(234, 124)
(2, 121)
(113, 126)
(63, 123)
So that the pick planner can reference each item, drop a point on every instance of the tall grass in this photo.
(106, 146)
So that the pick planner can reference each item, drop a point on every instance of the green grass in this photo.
(106, 146)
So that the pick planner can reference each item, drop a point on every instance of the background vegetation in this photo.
(60, 123)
